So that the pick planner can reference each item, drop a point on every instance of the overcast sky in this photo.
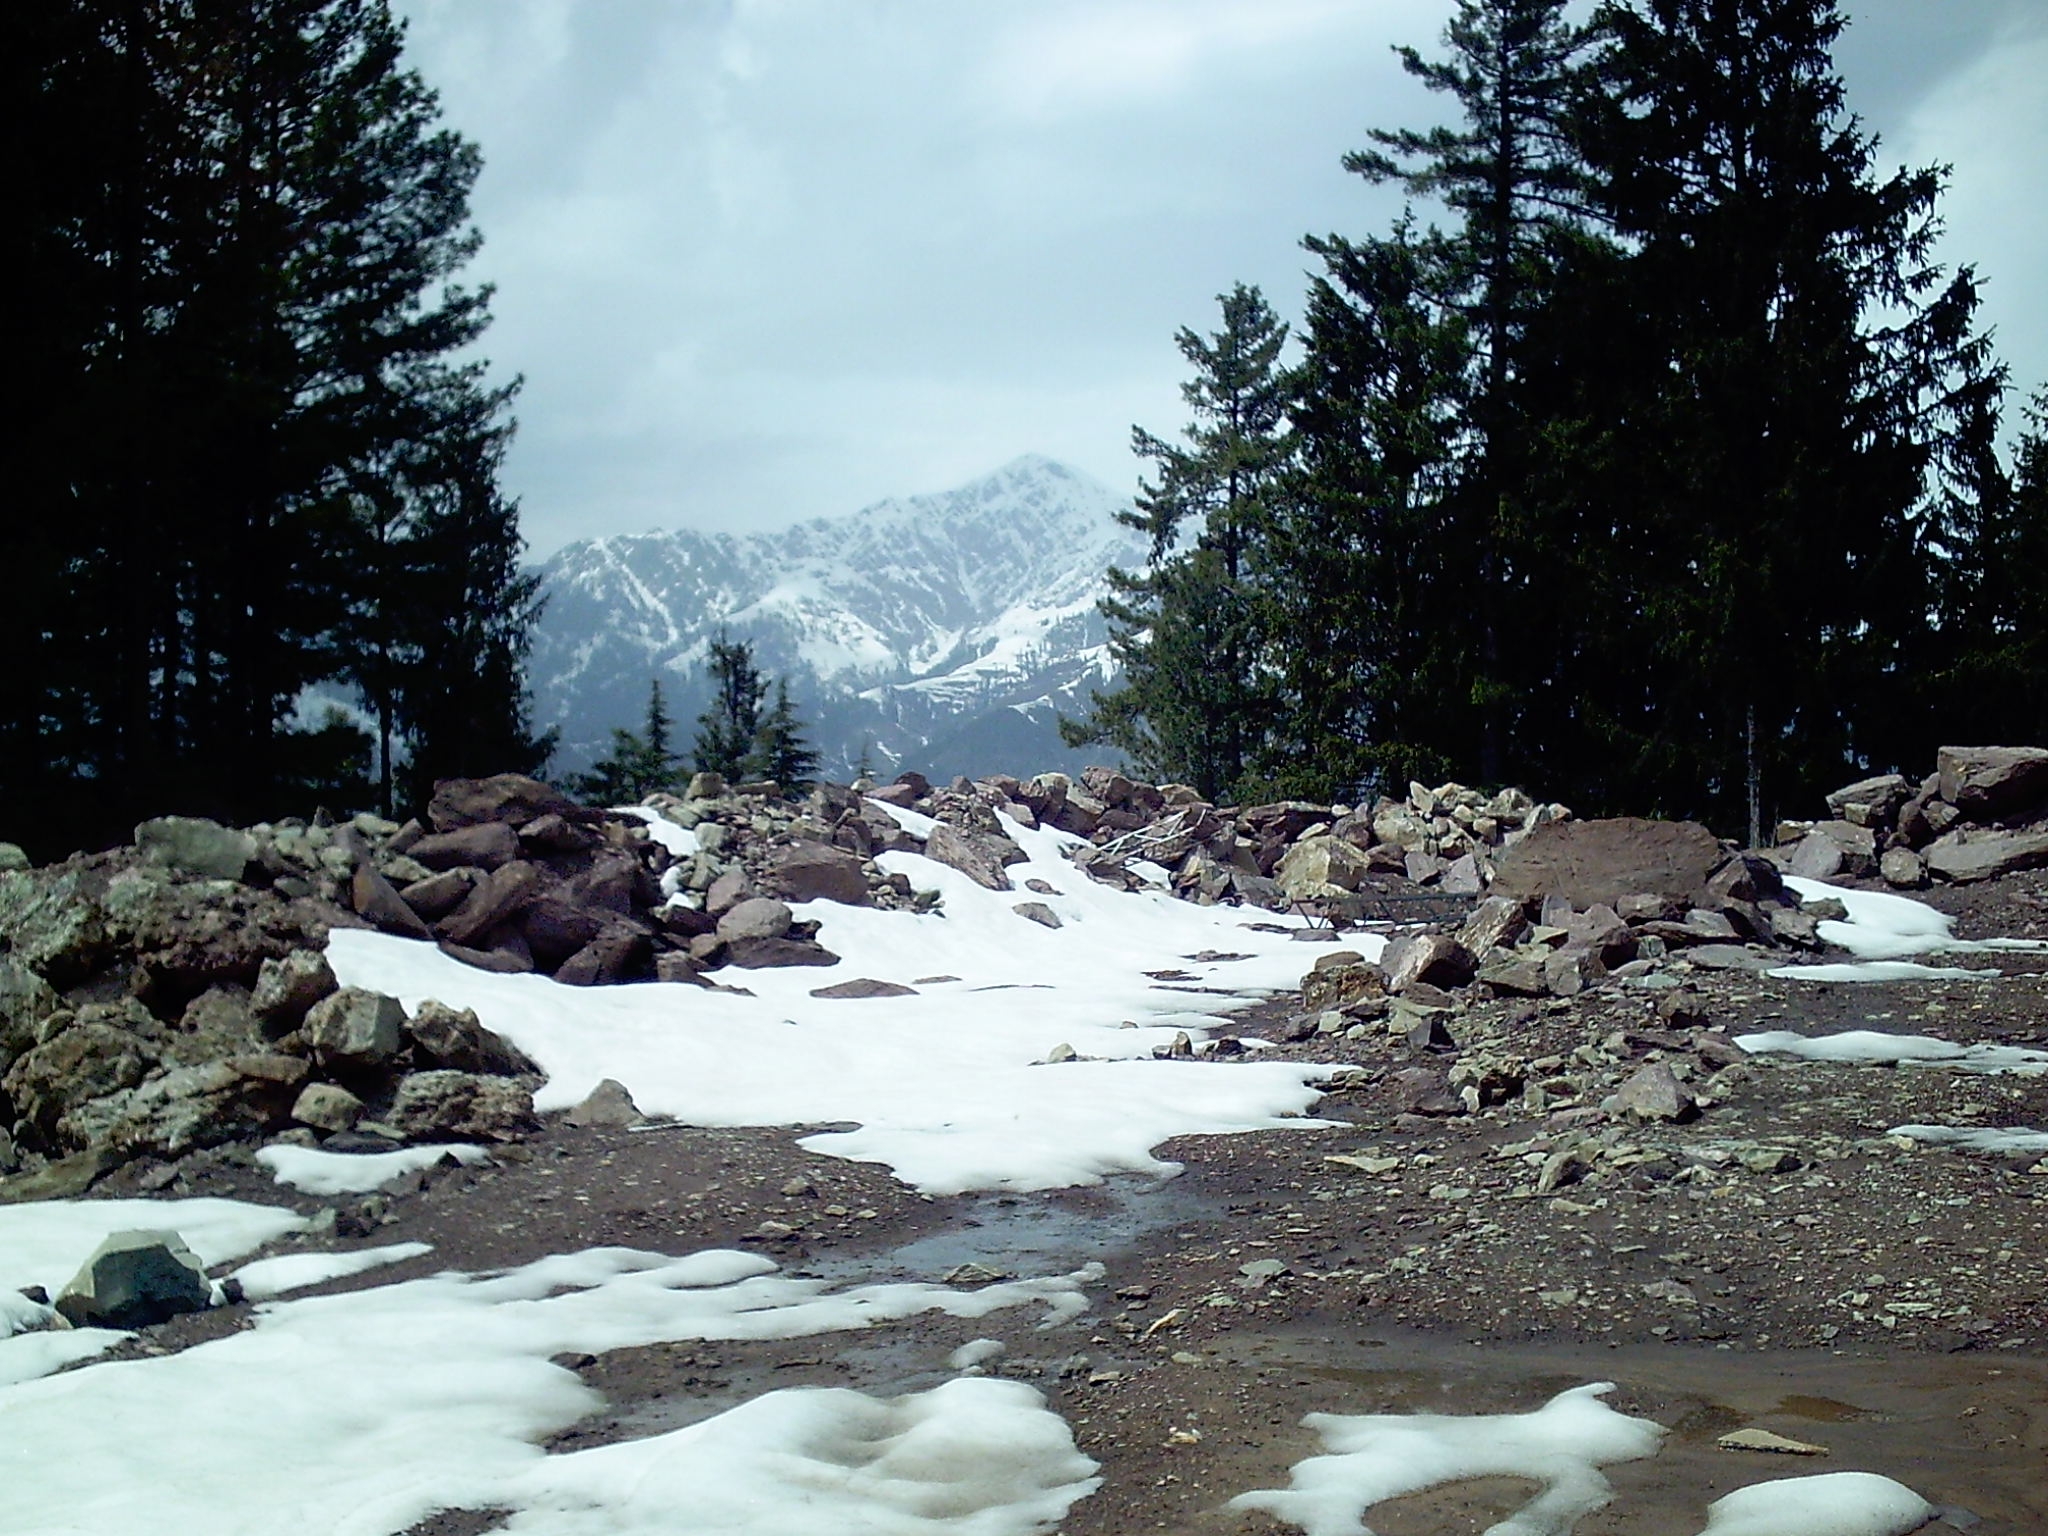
(761, 260)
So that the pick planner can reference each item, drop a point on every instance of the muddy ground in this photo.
(1775, 1261)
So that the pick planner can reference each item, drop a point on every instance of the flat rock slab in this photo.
(1968, 855)
(1731, 957)
(1589, 862)
(1986, 783)
(864, 986)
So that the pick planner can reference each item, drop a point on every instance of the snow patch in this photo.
(315, 1172)
(265, 1278)
(1884, 926)
(46, 1242)
(1374, 1457)
(972, 1457)
(374, 1409)
(1973, 1138)
(679, 841)
(1869, 1045)
(1829, 1504)
(950, 1091)
(1879, 970)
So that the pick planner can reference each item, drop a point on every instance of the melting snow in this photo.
(1830, 1504)
(1374, 1457)
(948, 1087)
(1879, 970)
(1561, 1447)
(366, 1412)
(270, 1277)
(681, 842)
(1884, 926)
(353, 1173)
(1869, 1045)
(973, 1457)
(44, 1243)
(1974, 1138)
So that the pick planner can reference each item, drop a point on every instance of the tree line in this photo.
(256, 451)
(1663, 472)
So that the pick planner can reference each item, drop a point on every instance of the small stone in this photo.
(288, 986)
(1764, 1440)
(1651, 1092)
(327, 1108)
(608, 1104)
(864, 986)
(1038, 912)
(195, 846)
(355, 1028)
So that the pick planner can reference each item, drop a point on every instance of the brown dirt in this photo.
(1887, 1303)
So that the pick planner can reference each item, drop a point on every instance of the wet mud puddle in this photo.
(1968, 1432)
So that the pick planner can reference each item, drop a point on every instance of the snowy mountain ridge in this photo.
(942, 631)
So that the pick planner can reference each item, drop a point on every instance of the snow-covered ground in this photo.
(951, 1087)
(1875, 1048)
(361, 1413)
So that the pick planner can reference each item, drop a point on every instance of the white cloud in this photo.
(1989, 120)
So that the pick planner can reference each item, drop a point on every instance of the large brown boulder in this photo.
(1589, 862)
(973, 854)
(455, 1038)
(807, 871)
(759, 917)
(508, 797)
(1994, 783)
(501, 896)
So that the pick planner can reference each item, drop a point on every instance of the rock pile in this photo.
(1275, 855)
(1572, 904)
(282, 1053)
(172, 994)
(1982, 813)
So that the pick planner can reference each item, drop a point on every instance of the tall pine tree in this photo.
(1805, 369)
(243, 244)
(727, 729)
(1511, 173)
(1372, 584)
(1191, 631)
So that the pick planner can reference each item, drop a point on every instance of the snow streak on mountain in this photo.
(940, 632)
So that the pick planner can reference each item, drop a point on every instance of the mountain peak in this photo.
(895, 625)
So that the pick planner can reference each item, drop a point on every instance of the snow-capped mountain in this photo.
(942, 632)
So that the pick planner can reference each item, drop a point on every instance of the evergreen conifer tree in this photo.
(244, 248)
(1512, 174)
(1190, 631)
(1373, 588)
(727, 729)
(1803, 373)
(781, 751)
(639, 762)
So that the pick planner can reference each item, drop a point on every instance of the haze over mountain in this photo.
(941, 632)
